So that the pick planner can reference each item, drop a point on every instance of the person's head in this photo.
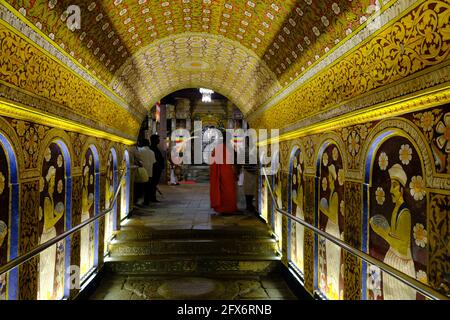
(154, 140)
(398, 182)
(145, 143)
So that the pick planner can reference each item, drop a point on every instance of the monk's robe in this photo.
(223, 193)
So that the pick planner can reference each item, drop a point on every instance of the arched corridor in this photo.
(338, 112)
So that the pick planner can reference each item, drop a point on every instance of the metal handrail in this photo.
(406, 279)
(31, 254)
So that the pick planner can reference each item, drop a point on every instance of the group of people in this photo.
(148, 156)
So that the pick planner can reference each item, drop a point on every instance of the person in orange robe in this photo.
(223, 191)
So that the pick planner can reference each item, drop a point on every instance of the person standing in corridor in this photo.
(158, 167)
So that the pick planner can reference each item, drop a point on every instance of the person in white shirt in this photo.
(145, 158)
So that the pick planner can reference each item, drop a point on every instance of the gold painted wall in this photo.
(41, 82)
(30, 142)
(413, 140)
(415, 44)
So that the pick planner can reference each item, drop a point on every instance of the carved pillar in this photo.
(101, 227)
(352, 235)
(308, 244)
(77, 185)
(29, 239)
(438, 239)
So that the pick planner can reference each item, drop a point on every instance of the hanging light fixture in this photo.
(206, 94)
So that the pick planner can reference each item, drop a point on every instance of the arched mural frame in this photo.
(324, 143)
(113, 153)
(90, 144)
(60, 138)
(275, 165)
(379, 137)
(294, 148)
(12, 292)
(126, 191)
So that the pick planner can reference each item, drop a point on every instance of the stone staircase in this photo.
(145, 251)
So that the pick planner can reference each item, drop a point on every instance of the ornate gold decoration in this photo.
(416, 41)
(48, 79)
(352, 235)
(438, 233)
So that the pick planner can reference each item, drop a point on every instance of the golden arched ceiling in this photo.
(197, 60)
(281, 38)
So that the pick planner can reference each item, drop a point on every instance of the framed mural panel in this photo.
(54, 219)
(330, 218)
(296, 200)
(110, 186)
(9, 218)
(90, 205)
(395, 224)
(125, 191)
(277, 218)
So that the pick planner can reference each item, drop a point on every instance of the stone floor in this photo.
(187, 207)
(192, 288)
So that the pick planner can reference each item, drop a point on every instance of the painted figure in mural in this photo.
(3, 233)
(87, 200)
(333, 253)
(109, 190)
(51, 214)
(278, 196)
(398, 236)
(297, 197)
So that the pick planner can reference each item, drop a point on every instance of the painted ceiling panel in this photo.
(274, 40)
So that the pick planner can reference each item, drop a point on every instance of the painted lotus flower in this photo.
(443, 128)
(325, 159)
(353, 143)
(335, 8)
(417, 186)
(91, 179)
(405, 154)
(294, 164)
(47, 154)
(380, 196)
(383, 161)
(335, 154)
(2, 182)
(60, 186)
(324, 184)
(422, 276)
(427, 121)
(60, 161)
(294, 179)
(420, 235)
(341, 177)
(374, 278)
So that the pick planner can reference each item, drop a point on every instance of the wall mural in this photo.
(277, 218)
(4, 219)
(125, 191)
(331, 220)
(88, 208)
(52, 220)
(398, 219)
(111, 181)
(296, 207)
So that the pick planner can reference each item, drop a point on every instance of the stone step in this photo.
(147, 233)
(259, 246)
(193, 265)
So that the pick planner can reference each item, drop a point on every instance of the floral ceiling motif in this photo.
(286, 35)
(197, 60)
